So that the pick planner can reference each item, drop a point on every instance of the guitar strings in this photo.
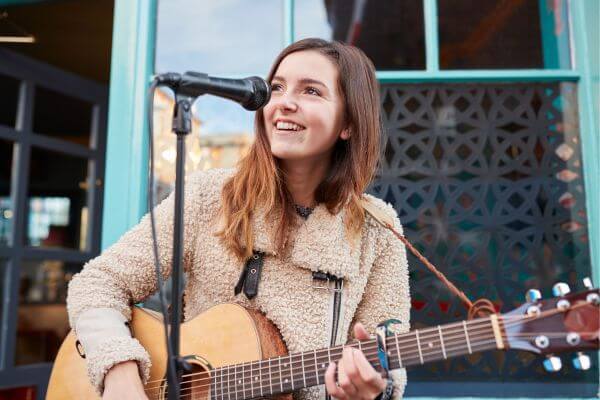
(313, 373)
(313, 378)
(287, 383)
(325, 357)
(407, 356)
(425, 335)
(227, 393)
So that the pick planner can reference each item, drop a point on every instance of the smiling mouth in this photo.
(288, 127)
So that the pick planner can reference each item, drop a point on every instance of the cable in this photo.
(171, 361)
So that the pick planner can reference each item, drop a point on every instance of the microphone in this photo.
(251, 93)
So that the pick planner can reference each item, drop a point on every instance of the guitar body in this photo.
(223, 335)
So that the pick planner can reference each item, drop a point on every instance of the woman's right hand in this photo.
(123, 382)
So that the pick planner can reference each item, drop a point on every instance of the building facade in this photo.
(491, 155)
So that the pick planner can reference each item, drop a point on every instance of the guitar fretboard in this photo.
(300, 370)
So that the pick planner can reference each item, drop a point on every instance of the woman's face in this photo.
(304, 118)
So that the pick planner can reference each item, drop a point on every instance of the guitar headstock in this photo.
(568, 322)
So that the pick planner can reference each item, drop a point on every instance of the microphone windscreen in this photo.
(260, 96)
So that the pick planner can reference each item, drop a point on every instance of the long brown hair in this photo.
(260, 181)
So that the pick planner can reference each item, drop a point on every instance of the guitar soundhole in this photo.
(195, 384)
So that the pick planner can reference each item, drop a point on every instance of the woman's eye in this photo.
(275, 86)
(312, 90)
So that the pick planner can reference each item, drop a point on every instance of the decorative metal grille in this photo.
(487, 181)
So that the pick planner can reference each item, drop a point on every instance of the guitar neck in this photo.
(300, 370)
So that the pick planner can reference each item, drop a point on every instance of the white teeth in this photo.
(288, 126)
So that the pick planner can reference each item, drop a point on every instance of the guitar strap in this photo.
(481, 307)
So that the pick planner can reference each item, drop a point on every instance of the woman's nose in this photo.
(287, 102)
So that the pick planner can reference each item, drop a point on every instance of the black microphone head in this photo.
(261, 93)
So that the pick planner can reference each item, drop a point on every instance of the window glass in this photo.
(57, 200)
(42, 316)
(390, 32)
(3, 272)
(218, 37)
(28, 392)
(6, 209)
(499, 34)
(62, 117)
(9, 87)
(222, 131)
(488, 182)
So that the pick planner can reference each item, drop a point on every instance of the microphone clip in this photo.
(182, 116)
(171, 79)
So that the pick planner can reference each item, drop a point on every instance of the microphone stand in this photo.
(195, 84)
(182, 126)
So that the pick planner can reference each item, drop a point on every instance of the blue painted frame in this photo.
(132, 65)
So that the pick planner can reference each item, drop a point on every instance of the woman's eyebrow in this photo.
(303, 81)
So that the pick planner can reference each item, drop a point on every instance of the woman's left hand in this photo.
(357, 377)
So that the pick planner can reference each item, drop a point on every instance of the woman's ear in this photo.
(345, 134)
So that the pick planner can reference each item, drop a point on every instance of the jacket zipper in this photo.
(337, 302)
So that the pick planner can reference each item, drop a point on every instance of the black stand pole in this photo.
(182, 126)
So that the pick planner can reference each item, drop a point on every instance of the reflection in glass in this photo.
(499, 34)
(391, 33)
(48, 216)
(57, 200)
(9, 87)
(221, 133)
(62, 116)
(42, 316)
(28, 392)
(6, 211)
(218, 37)
(3, 272)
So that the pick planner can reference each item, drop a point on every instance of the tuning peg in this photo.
(587, 282)
(582, 362)
(561, 289)
(552, 364)
(533, 295)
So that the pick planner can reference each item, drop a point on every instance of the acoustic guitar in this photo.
(237, 354)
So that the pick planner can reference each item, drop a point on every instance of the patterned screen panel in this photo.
(487, 181)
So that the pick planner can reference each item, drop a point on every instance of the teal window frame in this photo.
(133, 65)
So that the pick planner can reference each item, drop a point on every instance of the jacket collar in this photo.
(319, 244)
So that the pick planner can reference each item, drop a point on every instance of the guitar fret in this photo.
(270, 378)
(235, 382)
(260, 381)
(303, 371)
(220, 373)
(398, 350)
(442, 342)
(223, 376)
(280, 376)
(213, 383)
(291, 373)
(243, 381)
(467, 337)
(251, 383)
(419, 346)
(228, 390)
(316, 367)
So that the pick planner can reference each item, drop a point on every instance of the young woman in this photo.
(295, 203)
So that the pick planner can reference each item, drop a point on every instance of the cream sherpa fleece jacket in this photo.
(375, 276)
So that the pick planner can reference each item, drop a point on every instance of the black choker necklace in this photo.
(302, 211)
